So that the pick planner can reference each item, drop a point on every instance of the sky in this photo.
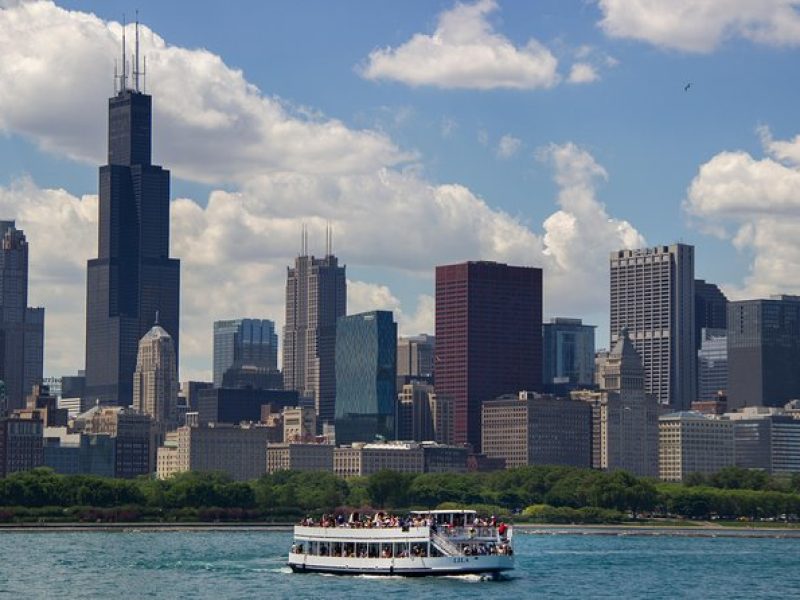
(544, 133)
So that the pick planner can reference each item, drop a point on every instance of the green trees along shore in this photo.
(538, 494)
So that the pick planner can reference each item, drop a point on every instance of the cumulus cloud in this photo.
(702, 25)
(582, 73)
(508, 146)
(755, 203)
(465, 52)
(235, 245)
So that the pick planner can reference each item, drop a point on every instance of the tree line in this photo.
(539, 493)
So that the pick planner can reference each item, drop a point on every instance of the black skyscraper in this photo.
(133, 277)
(710, 308)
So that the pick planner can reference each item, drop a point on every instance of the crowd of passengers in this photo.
(371, 551)
(382, 519)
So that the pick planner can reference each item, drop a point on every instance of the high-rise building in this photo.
(299, 424)
(155, 381)
(366, 363)
(652, 296)
(568, 355)
(244, 343)
(712, 364)
(132, 432)
(133, 276)
(414, 415)
(21, 443)
(488, 338)
(227, 405)
(415, 357)
(763, 352)
(21, 327)
(693, 443)
(316, 296)
(766, 438)
(710, 308)
(299, 457)
(537, 429)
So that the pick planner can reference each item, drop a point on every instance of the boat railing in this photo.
(444, 545)
(486, 532)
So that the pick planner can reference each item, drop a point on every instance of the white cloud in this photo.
(755, 203)
(448, 126)
(289, 168)
(702, 25)
(582, 73)
(508, 146)
(465, 52)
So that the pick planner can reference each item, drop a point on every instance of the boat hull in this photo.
(408, 567)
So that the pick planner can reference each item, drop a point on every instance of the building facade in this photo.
(653, 297)
(710, 308)
(568, 355)
(488, 338)
(693, 443)
(133, 276)
(299, 457)
(21, 443)
(415, 357)
(712, 364)
(155, 381)
(763, 352)
(133, 435)
(223, 405)
(366, 363)
(766, 438)
(362, 460)
(537, 429)
(21, 327)
(299, 424)
(244, 343)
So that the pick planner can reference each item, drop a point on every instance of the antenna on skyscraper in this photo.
(330, 250)
(144, 75)
(116, 77)
(123, 79)
(136, 55)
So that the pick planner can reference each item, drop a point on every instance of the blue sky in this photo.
(621, 157)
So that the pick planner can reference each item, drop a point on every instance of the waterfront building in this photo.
(488, 338)
(537, 429)
(223, 405)
(132, 432)
(712, 364)
(763, 352)
(299, 424)
(20, 442)
(652, 296)
(766, 438)
(362, 460)
(21, 327)
(568, 355)
(133, 276)
(299, 457)
(244, 343)
(366, 362)
(415, 357)
(155, 381)
(239, 451)
(693, 443)
(316, 296)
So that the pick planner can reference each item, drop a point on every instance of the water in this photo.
(241, 564)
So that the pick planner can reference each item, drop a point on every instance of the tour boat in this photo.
(438, 542)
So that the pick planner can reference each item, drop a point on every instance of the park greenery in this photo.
(534, 494)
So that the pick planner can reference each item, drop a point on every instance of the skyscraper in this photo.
(155, 381)
(712, 364)
(316, 296)
(652, 296)
(244, 343)
(133, 276)
(568, 355)
(21, 327)
(366, 366)
(415, 357)
(763, 352)
(710, 308)
(488, 338)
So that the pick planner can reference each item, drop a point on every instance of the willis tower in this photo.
(133, 282)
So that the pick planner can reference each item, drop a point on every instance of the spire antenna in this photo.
(123, 80)
(136, 59)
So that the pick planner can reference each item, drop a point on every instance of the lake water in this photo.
(250, 564)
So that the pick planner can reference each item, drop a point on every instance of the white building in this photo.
(690, 442)
(155, 381)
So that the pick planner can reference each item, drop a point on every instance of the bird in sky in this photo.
(686, 87)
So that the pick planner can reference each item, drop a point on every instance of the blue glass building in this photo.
(244, 342)
(568, 355)
(366, 366)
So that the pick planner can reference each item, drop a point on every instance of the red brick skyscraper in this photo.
(488, 337)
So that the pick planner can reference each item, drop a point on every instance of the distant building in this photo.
(259, 378)
(568, 355)
(222, 405)
(624, 416)
(415, 357)
(766, 438)
(21, 327)
(652, 296)
(316, 296)
(717, 406)
(190, 391)
(763, 352)
(710, 308)
(155, 381)
(414, 417)
(20, 443)
(299, 424)
(244, 342)
(132, 432)
(299, 457)
(693, 443)
(79, 454)
(238, 451)
(46, 405)
(366, 359)
(488, 338)
(712, 364)
(536, 429)
(443, 458)
(361, 460)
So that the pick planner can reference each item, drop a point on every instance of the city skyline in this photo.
(236, 216)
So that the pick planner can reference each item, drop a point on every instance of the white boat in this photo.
(438, 542)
